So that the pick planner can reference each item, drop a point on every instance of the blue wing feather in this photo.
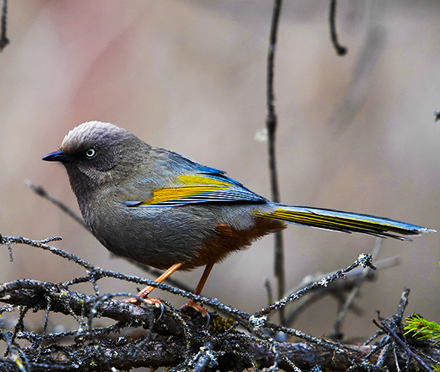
(235, 193)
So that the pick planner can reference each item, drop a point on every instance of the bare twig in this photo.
(3, 39)
(340, 50)
(363, 70)
(268, 290)
(337, 289)
(385, 344)
(380, 265)
(271, 124)
(363, 260)
(404, 345)
(336, 333)
(392, 338)
(402, 305)
(39, 190)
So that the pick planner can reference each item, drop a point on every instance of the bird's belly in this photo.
(195, 235)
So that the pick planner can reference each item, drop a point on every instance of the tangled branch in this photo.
(143, 336)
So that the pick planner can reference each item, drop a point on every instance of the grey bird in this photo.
(164, 210)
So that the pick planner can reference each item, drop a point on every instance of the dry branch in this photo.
(179, 339)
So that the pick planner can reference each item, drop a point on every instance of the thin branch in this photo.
(404, 345)
(362, 73)
(3, 39)
(340, 50)
(392, 337)
(363, 260)
(39, 190)
(271, 124)
(402, 305)
(385, 344)
(382, 264)
(337, 333)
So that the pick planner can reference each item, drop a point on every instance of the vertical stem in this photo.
(271, 124)
(340, 50)
(3, 39)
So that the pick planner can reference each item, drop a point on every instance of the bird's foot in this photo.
(150, 301)
(139, 300)
(200, 309)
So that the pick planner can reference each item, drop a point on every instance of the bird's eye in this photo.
(90, 153)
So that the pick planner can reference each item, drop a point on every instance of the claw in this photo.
(162, 310)
(132, 300)
(200, 309)
(149, 301)
(208, 319)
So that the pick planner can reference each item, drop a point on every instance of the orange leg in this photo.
(147, 290)
(204, 278)
(198, 290)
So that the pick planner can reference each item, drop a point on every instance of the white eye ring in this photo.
(90, 153)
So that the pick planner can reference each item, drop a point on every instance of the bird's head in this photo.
(94, 153)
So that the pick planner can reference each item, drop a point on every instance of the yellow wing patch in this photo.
(190, 180)
(171, 193)
(190, 186)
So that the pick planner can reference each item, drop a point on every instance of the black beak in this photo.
(57, 156)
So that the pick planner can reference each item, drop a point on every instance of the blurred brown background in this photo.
(355, 133)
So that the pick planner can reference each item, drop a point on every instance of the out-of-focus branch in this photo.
(271, 125)
(3, 38)
(39, 190)
(340, 50)
(362, 74)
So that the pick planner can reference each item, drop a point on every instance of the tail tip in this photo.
(427, 230)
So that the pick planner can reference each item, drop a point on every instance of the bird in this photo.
(162, 209)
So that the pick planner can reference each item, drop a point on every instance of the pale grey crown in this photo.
(92, 133)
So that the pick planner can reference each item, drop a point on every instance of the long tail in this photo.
(344, 221)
